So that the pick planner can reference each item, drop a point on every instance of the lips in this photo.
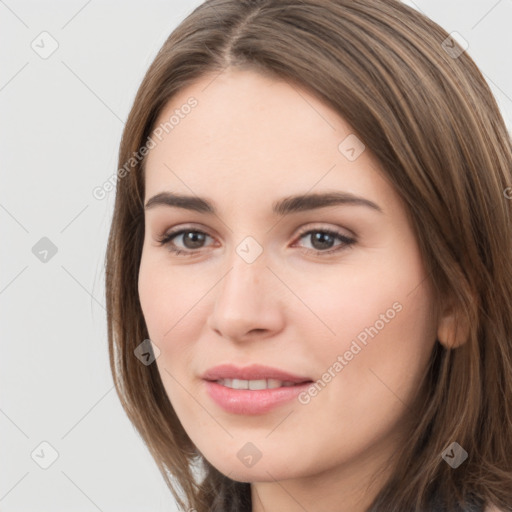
(252, 372)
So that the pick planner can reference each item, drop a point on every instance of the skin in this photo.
(250, 141)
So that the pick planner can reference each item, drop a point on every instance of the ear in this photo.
(452, 327)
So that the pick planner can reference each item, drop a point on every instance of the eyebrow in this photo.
(285, 206)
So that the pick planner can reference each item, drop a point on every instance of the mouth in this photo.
(258, 384)
(254, 389)
(253, 397)
(255, 376)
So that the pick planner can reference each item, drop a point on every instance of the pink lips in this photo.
(248, 401)
(253, 372)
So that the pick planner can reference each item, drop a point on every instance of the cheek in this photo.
(389, 319)
(153, 298)
(379, 317)
(385, 336)
(350, 298)
(167, 306)
(166, 301)
(174, 305)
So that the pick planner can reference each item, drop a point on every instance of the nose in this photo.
(248, 302)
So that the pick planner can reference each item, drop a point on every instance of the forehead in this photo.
(248, 134)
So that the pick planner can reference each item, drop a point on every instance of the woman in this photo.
(368, 370)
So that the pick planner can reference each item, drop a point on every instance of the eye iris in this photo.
(322, 237)
(194, 237)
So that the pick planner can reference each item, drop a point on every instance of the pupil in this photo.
(321, 237)
(195, 238)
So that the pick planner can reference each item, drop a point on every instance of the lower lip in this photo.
(249, 401)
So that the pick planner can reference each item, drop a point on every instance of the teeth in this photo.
(254, 384)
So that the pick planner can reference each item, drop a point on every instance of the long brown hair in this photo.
(420, 104)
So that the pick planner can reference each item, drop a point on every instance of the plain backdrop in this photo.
(69, 71)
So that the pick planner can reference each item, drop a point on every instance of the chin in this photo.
(261, 471)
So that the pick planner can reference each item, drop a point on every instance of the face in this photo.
(334, 291)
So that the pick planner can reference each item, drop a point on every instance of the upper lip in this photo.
(252, 372)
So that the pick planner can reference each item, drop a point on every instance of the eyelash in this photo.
(166, 240)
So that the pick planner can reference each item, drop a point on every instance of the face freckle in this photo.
(362, 315)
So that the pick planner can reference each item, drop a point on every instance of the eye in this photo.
(324, 239)
(193, 239)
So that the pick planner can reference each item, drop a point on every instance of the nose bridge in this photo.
(244, 282)
(243, 301)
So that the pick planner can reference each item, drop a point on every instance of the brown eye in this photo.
(322, 240)
(191, 239)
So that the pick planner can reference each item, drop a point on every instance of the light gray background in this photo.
(61, 123)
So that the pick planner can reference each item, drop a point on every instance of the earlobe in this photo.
(452, 329)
